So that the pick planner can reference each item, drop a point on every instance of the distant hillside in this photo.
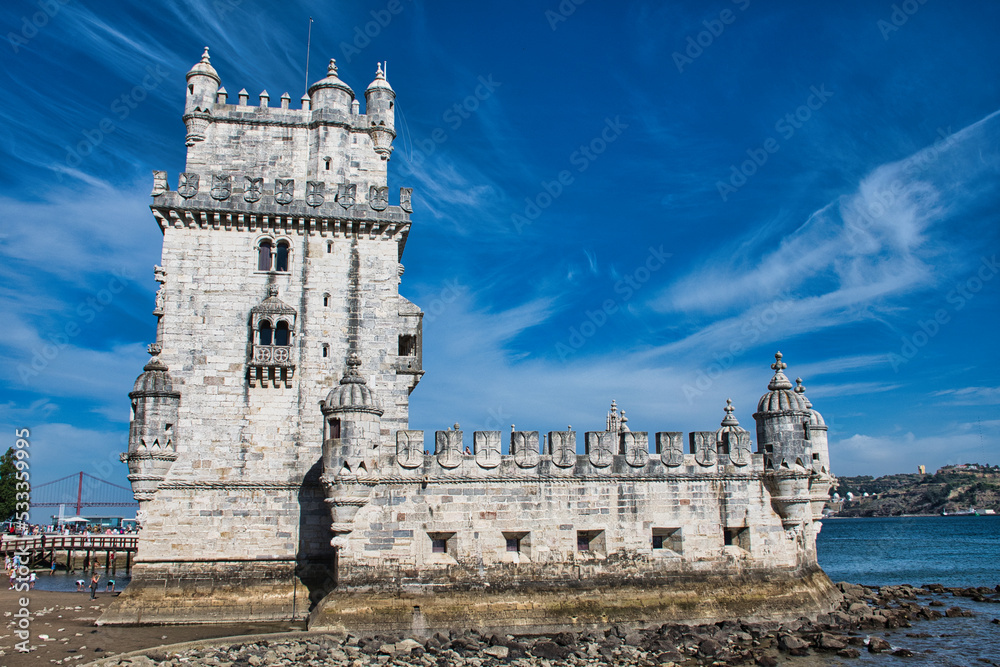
(950, 489)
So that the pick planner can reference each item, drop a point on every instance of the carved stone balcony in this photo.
(271, 364)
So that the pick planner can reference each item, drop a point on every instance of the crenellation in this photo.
(273, 418)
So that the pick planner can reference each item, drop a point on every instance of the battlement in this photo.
(607, 455)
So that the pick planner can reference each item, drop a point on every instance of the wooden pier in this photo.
(42, 550)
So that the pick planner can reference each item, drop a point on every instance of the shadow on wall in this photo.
(316, 560)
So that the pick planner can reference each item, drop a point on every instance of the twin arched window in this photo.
(269, 255)
(279, 335)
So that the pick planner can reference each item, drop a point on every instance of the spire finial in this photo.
(730, 418)
(779, 381)
(379, 74)
(331, 69)
(204, 57)
(799, 388)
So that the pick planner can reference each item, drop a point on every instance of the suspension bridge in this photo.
(81, 491)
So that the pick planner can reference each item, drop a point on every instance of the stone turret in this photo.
(732, 440)
(152, 447)
(331, 93)
(202, 91)
(380, 100)
(821, 480)
(781, 419)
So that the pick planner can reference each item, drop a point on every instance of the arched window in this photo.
(326, 300)
(281, 334)
(264, 255)
(281, 257)
(326, 350)
(265, 333)
(327, 161)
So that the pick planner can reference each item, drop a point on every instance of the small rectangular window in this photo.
(657, 541)
(666, 539)
(582, 542)
(439, 545)
(736, 537)
(407, 345)
(513, 544)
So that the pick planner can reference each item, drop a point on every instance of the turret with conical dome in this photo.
(331, 93)
(380, 102)
(202, 87)
(781, 415)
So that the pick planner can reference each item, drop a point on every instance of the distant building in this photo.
(921, 470)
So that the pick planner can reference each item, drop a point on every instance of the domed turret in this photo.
(821, 481)
(152, 449)
(202, 89)
(781, 415)
(380, 100)
(331, 93)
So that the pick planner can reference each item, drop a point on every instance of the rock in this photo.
(996, 621)
(407, 645)
(565, 639)
(935, 603)
(828, 642)
(432, 643)
(254, 660)
(849, 653)
(499, 652)
(878, 645)
(709, 648)
(788, 642)
(903, 653)
(954, 612)
(767, 660)
(549, 650)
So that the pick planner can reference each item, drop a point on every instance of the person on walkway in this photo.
(111, 586)
(94, 580)
(31, 580)
(53, 565)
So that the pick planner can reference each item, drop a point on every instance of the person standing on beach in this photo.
(94, 580)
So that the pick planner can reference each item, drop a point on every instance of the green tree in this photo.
(8, 485)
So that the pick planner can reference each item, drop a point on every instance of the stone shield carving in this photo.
(346, 194)
(562, 448)
(601, 447)
(410, 448)
(448, 447)
(222, 186)
(670, 446)
(253, 189)
(406, 199)
(315, 193)
(635, 446)
(187, 185)
(159, 183)
(378, 197)
(703, 447)
(524, 447)
(284, 189)
(739, 448)
(487, 444)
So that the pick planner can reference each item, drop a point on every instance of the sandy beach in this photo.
(63, 630)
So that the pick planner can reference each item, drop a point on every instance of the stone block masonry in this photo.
(270, 447)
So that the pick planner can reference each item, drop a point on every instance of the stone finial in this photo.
(265, 97)
(379, 74)
(624, 423)
(306, 102)
(286, 99)
(154, 349)
(779, 381)
(730, 419)
(221, 95)
(457, 427)
(243, 96)
(204, 57)
(331, 69)
(799, 387)
(159, 274)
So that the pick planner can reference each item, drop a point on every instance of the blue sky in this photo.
(638, 201)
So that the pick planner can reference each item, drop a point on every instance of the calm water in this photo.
(953, 551)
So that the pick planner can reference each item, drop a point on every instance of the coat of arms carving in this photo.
(601, 447)
(562, 447)
(524, 447)
(739, 448)
(410, 448)
(448, 446)
(222, 186)
(314, 193)
(636, 448)
(703, 447)
(378, 197)
(406, 199)
(284, 189)
(670, 447)
(346, 193)
(487, 444)
(187, 185)
(253, 189)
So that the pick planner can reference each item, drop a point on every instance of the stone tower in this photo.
(279, 319)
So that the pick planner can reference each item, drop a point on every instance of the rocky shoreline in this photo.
(845, 632)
